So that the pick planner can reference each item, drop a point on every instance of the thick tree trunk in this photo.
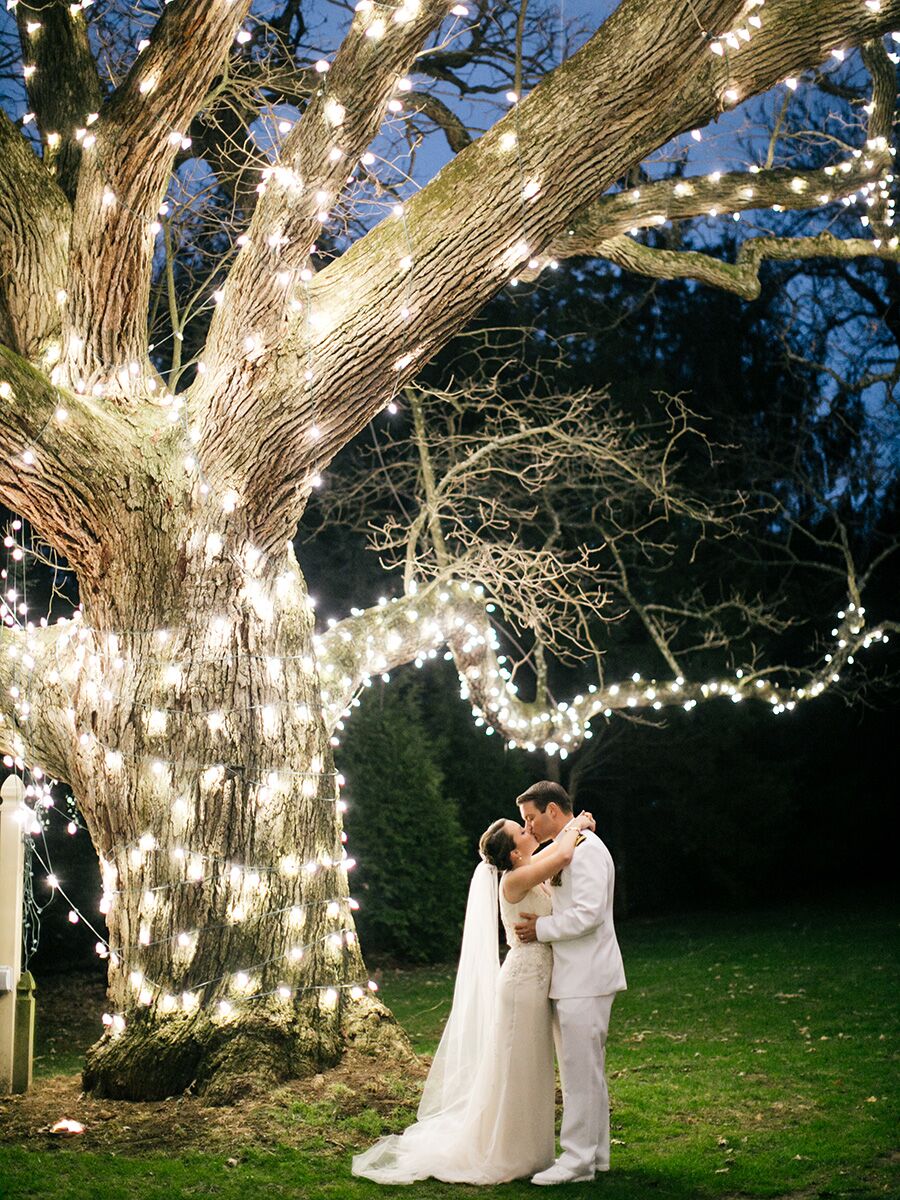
(204, 772)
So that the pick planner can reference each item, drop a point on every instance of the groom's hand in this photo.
(525, 930)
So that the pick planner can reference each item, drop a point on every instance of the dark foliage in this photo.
(404, 828)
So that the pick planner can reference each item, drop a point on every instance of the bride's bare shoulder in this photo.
(513, 890)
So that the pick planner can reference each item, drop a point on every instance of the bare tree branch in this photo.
(458, 137)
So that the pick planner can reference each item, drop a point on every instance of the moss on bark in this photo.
(228, 1060)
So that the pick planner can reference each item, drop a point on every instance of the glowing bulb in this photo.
(334, 113)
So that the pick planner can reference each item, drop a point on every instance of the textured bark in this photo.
(34, 244)
(68, 462)
(184, 711)
(741, 276)
(64, 88)
(121, 184)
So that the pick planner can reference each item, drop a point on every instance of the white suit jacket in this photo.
(586, 956)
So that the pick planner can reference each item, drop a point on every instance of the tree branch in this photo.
(882, 109)
(706, 195)
(128, 159)
(339, 122)
(61, 458)
(574, 136)
(377, 640)
(62, 83)
(441, 115)
(742, 276)
(34, 243)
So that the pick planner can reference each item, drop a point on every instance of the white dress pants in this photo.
(580, 1028)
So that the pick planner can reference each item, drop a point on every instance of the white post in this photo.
(12, 872)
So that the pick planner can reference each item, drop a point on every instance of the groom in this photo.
(587, 973)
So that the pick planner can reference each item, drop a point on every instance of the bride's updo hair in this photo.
(496, 846)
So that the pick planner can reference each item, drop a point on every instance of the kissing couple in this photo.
(487, 1113)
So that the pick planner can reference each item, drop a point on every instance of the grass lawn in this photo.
(753, 1055)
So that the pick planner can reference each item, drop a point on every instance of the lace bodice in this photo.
(536, 901)
(527, 963)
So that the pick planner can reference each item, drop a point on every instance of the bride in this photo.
(487, 1109)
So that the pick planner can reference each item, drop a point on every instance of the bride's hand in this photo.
(585, 820)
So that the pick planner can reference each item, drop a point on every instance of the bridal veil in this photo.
(443, 1143)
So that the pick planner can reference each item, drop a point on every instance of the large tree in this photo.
(189, 704)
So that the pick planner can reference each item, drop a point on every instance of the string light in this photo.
(242, 879)
(149, 992)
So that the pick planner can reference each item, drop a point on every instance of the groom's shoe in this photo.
(559, 1174)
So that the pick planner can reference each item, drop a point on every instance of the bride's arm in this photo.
(544, 865)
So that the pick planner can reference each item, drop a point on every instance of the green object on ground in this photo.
(23, 1050)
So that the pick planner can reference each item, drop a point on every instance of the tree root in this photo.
(229, 1060)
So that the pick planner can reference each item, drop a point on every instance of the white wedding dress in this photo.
(487, 1111)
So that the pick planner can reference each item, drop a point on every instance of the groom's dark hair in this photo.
(543, 792)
